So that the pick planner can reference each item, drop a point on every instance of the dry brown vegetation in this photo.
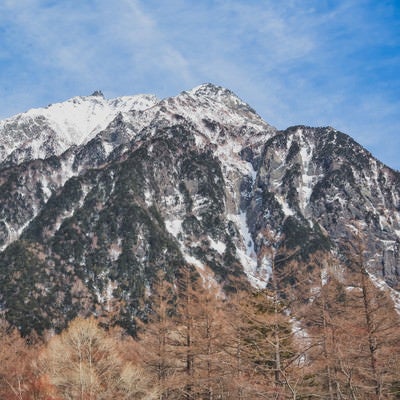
(318, 331)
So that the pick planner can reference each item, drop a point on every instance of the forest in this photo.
(319, 330)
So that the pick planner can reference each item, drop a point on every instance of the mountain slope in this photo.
(324, 187)
(197, 179)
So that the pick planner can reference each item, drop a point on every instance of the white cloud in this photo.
(93, 42)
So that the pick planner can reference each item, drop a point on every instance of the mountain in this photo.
(98, 195)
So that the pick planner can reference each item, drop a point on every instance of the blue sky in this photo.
(317, 63)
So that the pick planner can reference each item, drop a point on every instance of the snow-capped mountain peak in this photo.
(213, 91)
(42, 132)
(220, 95)
(212, 109)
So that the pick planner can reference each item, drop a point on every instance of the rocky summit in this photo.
(98, 195)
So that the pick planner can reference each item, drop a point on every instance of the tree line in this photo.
(319, 330)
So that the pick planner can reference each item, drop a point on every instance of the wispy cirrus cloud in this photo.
(70, 48)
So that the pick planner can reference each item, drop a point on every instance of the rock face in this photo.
(321, 188)
(98, 195)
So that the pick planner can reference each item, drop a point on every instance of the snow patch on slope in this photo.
(306, 153)
(13, 232)
(218, 246)
(382, 285)
(246, 252)
(174, 227)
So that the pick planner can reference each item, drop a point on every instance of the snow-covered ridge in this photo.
(78, 119)
(72, 122)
